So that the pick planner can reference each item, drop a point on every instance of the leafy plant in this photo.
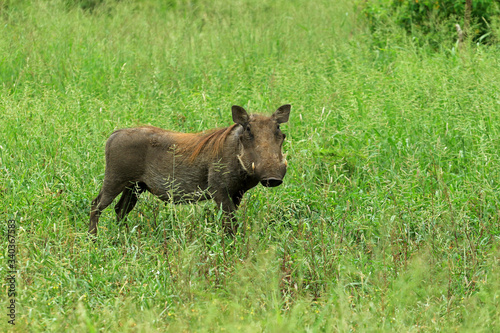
(434, 20)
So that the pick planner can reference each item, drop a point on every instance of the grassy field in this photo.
(388, 218)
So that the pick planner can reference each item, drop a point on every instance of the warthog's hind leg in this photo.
(129, 198)
(104, 199)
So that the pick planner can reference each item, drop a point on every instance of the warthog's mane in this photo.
(210, 142)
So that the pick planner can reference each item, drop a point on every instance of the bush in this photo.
(433, 21)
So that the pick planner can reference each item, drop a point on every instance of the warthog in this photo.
(184, 167)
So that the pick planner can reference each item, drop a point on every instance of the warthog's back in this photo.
(158, 158)
(130, 150)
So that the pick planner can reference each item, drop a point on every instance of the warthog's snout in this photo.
(273, 179)
(271, 182)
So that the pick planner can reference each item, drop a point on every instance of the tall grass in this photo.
(388, 219)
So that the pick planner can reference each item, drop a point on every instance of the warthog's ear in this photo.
(281, 115)
(240, 116)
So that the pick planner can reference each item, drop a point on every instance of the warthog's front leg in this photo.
(230, 222)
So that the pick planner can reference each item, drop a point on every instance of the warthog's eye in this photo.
(279, 134)
(248, 132)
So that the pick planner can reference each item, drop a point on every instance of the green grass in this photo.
(388, 218)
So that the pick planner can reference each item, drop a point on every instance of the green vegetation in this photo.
(433, 21)
(388, 218)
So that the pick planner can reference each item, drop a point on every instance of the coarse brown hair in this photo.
(210, 142)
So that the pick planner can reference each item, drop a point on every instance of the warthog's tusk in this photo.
(286, 163)
(253, 167)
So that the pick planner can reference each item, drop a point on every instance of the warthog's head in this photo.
(260, 144)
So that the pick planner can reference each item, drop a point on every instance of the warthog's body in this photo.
(184, 167)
